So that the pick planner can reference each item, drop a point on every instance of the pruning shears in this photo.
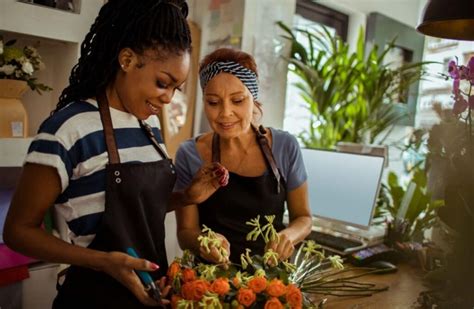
(147, 280)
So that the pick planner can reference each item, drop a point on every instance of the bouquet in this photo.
(20, 64)
(260, 281)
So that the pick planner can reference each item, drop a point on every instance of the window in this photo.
(322, 15)
(308, 15)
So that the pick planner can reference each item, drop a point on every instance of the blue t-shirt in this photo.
(285, 149)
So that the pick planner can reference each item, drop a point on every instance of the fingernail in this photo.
(154, 266)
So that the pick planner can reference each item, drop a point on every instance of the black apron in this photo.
(136, 200)
(244, 198)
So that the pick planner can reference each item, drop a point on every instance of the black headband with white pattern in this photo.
(246, 76)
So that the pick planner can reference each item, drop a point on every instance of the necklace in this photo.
(245, 151)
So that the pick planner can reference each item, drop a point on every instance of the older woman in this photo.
(265, 165)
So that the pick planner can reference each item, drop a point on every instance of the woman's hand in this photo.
(214, 255)
(207, 180)
(283, 246)
(122, 267)
(164, 290)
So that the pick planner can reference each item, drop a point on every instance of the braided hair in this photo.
(137, 24)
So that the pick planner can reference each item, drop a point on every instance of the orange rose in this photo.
(273, 303)
(173, 270)
(294, 296)
(189, 275)
(220, 286)
(276, 288)
(174, 301)
(194, 290)
(187, 290)
(257, 284)
(246, 297)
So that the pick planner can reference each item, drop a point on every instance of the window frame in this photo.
(324, 15)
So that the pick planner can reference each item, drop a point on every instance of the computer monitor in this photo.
(343, 187)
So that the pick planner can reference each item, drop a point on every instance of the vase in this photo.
(13, 116)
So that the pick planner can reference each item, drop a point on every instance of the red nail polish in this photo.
(154, 266)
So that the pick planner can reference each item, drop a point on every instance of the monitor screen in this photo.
(343, 187)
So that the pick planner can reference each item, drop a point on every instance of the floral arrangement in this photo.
(451, 147)
(463, 96)
(260, 281)
(451, 151)
(20, 64)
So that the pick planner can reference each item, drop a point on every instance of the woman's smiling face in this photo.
(228, 105)
(149, 82)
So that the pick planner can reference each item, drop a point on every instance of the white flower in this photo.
(1, 47)
(27, 67)
(7, 69)
(336, 261)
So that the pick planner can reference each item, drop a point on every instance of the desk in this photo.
(404, 287)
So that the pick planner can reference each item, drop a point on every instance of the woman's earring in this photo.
(122, 66)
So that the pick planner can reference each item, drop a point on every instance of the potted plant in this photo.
(17, 66)
(451, 156)
(351, 96)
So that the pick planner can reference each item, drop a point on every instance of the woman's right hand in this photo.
(209, 178)
(122, 268)
(214, 255)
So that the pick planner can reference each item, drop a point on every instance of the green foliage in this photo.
(421, 210)
(351, 96)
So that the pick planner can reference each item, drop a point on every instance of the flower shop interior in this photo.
(404, 125)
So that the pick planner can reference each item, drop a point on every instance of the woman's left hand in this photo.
(164, 290)
(207, 180)
(283, 246)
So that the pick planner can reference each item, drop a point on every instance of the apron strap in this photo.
(112, 151)
(216, 148)
(149, 132)
(267, 153)
(264, 146)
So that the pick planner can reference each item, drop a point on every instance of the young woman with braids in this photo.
(265, 164)
(100, 160)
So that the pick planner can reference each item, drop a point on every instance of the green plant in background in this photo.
(351, 96)
(409, 205)
(410, 221)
